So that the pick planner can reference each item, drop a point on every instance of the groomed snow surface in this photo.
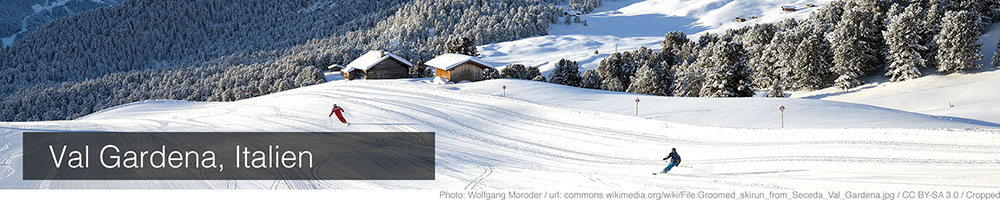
(571, 138)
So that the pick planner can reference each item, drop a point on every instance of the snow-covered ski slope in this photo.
(971, 95)
(485, 141)
(629, 24)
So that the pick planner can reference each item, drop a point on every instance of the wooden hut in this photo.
(788, 8)
(377, 65)
(740, 19)
(458, 67)
(335, 67)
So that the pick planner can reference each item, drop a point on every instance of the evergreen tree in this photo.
(812, 60)
(515, 71)
(690, 75)
(957, 46)
(929, 29)
(612, 68)
(649, 79)
(591, 80)
(728, 74)
(778, 60)
(539, 78)
(983, 10)
(776, 90)
(428, 73)
(461, 45)
(853, 50)
(418, 70)
(532, 72)
(614, 85)
(674, 41)
(761, 47)
(490, 73)
(996, 56)
(903, 39)
(566, 72)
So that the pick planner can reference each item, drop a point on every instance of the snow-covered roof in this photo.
(372, 58)
(448, 61)
(335, 66)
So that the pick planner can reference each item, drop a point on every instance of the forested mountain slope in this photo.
(146, 38)
(18, 17)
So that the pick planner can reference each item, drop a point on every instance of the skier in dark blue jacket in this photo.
(675, 160)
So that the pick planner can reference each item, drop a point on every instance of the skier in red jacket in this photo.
(339, 111)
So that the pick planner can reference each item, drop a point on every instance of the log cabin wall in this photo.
(388, 69)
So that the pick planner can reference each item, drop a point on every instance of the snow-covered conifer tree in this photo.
(539, 78)
(566, 72)
(612, 68)
(727, 74)
(957, 46)
(690, 75)
(515, 71)
(649, 79)
(930, 26)
(461, 45)
(490, 73)
(813, 57)
(532, 72)
(591, 80)
(903, 39)
(996, 56)
(614, 85)
(674, 41)
(853, 53)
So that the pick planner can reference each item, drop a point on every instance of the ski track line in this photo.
(472, 184)
(512, 145)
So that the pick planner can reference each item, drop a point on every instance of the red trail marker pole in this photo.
(636, 106)
(504, 90)
(782, 108)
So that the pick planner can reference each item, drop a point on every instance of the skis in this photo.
(684, 166)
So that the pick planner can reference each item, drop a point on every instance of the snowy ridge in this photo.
(486, 141)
